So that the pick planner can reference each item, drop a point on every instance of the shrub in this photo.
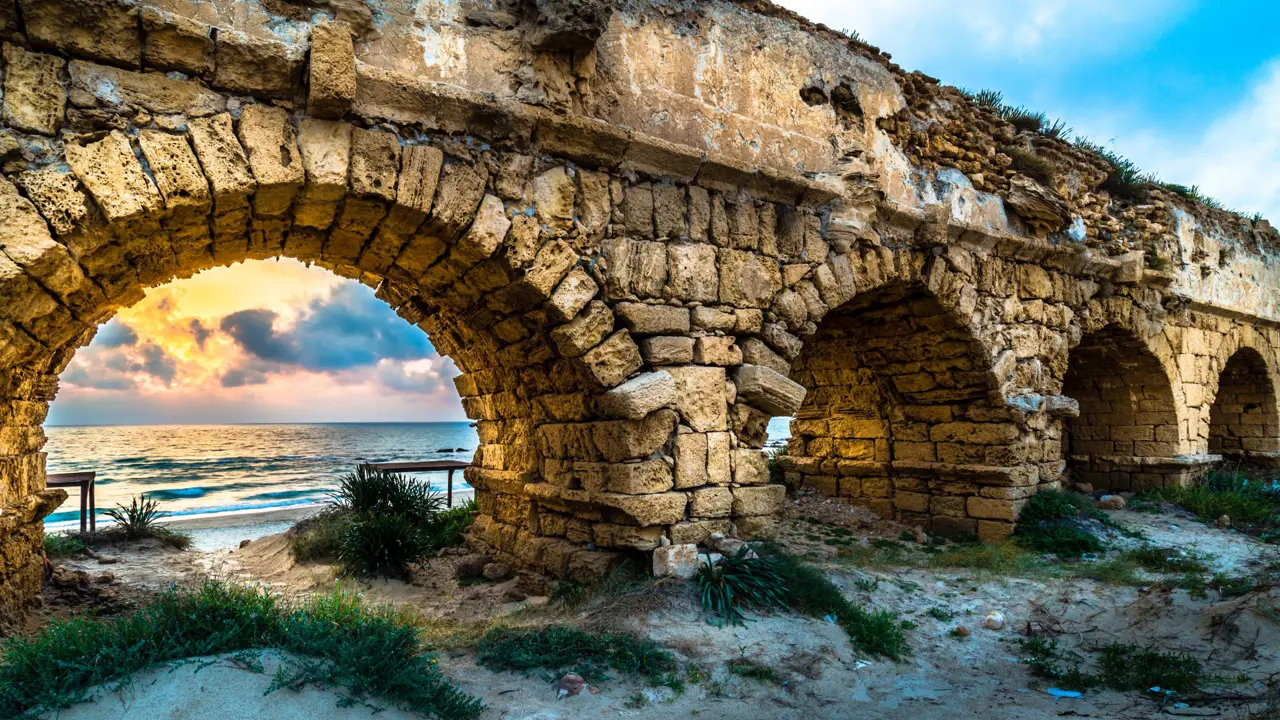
(1252, 504)
(562, 648)
(382, 545)
(376, 491)
(741, 581)
(446, 529)
(1057, 522)
(379, 524)
(373, 653)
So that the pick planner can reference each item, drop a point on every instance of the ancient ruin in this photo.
(641, 230)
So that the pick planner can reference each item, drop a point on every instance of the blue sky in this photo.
(1188, 89)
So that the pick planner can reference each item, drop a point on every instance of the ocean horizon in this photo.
(210, 469)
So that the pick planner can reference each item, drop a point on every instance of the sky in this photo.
(263, 341)
(1190, 90)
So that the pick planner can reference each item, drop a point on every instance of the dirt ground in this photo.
(973, 673)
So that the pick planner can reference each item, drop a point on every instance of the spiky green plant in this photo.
(138, 519)
(990, 99)
(1023, 118)
(1058, 129)
(741, 581)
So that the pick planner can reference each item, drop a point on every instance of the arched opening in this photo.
(1126, 435)
(1242, 420)
(898, 415)
(249, 389)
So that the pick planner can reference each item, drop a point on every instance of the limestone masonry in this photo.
(641, 229)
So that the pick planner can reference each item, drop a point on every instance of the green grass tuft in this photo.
(1253, 504)
(1055, 522)
(1032, 165)
(372, 653)
(1120, 666)
(63, 545)
(568, 649)
(810, 592)
(748, 668)
(319, 538)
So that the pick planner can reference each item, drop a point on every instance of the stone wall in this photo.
(640, 231)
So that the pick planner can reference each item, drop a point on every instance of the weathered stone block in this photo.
(700, 397)
(717, 350)
(105, 30)
(764, 500)
(258, 66)
(620, 440)
(640, 395)
(691, 273)
(747, 280)
(712, 502)
(667, 350)
(768, 390)
(719, 462)
(35, 94)
(613, 360)
(750, 467)
(678, 561)
(177, 43)
(332, 85)
(585, 331)
(645, 319)
(269, 139)
(572, 294)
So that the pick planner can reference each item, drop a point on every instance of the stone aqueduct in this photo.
(641, 229)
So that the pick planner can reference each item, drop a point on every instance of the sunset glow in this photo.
(263, 341)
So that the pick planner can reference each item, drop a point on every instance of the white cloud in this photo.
(1236, 159)
(922, 33)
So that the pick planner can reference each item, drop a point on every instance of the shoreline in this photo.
(240, 518)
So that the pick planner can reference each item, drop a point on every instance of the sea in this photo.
(215, 469)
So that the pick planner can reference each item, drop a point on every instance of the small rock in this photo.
(105, 578)
(680, 561)
(471, 566)
(571, 685)
(1086, 488)
(513, 595)
(496, 571)
(531, 583)
(67, 579)
(1224, 522)
(961, 631)
(1111, 502)
(104, 560)
(245, 543)
(994, 621)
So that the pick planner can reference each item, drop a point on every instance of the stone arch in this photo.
(900, 415)
(1243, 419)
(605, 294)
(1127, 433)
